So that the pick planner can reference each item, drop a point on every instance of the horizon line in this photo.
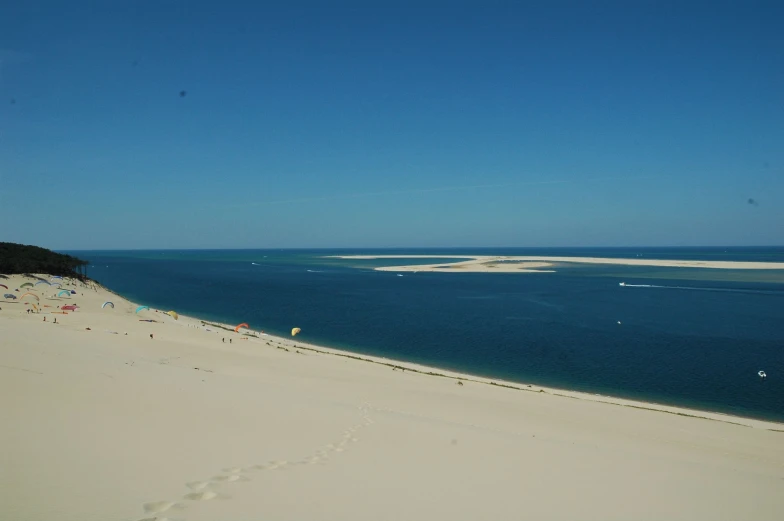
(423, 248)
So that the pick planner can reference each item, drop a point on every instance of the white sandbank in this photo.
(98, 425)
(532, 264)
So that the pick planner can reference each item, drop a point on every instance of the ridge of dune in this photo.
(103, 425)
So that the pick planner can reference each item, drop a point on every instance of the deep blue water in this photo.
(697, 341)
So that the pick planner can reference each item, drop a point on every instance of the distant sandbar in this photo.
(533, 264)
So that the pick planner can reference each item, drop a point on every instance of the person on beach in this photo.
(223, 340)
(44, 319)
(230, 340)
(55, 319)
(150, 336)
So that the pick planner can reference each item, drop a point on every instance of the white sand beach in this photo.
(534, 264)
(99, 424)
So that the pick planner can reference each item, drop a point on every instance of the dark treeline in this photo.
(20, 258)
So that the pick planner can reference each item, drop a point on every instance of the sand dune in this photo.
(522, 264)
(102, 425)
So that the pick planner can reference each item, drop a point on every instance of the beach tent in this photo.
(173, 314)
(107, 303)
(141, 308)
(26, 284)
(31, 294)
(10, 295)
(60, 293)
(295, 331)
(245, 325)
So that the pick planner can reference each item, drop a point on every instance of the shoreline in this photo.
(434, 371)
(533, 264)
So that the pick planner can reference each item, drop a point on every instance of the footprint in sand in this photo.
(204, 496)
(229, 478)
(158, 507)
(236, 474)
(198, 485)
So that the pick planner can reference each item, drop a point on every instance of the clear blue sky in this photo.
(378, 124)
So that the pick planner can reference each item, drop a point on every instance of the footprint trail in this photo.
(206, 490)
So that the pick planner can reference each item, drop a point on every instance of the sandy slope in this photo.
(522, 264)
(98, 426)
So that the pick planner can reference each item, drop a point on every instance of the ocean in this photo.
(688, 337)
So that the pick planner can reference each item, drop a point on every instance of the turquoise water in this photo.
(694, 338)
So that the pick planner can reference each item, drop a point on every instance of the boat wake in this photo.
(693, 288)
(315, 271)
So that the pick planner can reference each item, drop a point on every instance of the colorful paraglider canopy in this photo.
(26, 284)
(6, 287)
(173, 314)
(141, 308)
(31, 294)
(60, 293)
(295, 331)
(42, 282)
(107, 303)
(10, 295)
(244, 324)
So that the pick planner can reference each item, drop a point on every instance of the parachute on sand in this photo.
(32, 295)
(244, 324)
(10, 295)
(6, 287)
(26, 284)
(141, 308)
(42, 282)
(107, 303)
(60, 293)
(173, 314)
(295, 331)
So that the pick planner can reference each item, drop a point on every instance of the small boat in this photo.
(621, 283)
(762, 374)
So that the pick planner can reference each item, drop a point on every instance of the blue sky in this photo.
(391, 124)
